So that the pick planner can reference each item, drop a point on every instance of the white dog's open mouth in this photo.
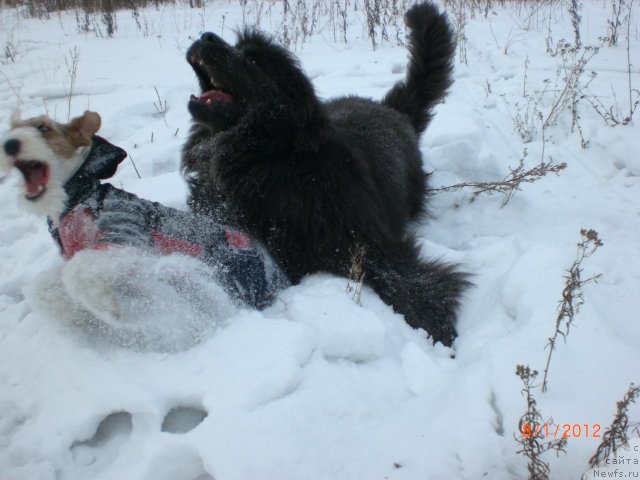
(36, 177)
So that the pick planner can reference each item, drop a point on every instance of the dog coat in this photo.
(99, 216)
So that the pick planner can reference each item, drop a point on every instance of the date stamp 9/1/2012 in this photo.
(560, 430)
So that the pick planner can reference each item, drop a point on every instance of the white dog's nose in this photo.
(12, 147)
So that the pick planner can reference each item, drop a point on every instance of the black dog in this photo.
(316, 181)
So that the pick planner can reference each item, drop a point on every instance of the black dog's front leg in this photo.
(257, 172)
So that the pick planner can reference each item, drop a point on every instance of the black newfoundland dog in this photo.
(314, 180)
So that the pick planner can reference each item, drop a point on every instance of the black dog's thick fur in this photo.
(313, 180)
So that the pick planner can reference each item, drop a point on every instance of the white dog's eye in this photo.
(42, 128)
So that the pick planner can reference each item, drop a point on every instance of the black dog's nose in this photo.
(208, 37)
(12, 146)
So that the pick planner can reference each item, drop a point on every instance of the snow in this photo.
(318, 386)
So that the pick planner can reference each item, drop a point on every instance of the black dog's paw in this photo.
(217, 116)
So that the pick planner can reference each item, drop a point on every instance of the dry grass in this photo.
(572, 296)
(510, 184)
(617, 435)
(531, 439)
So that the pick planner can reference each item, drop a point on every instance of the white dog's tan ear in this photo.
(85, 127)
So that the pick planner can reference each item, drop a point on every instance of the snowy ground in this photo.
(318, 387)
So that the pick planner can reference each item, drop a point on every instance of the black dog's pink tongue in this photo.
(213, 96)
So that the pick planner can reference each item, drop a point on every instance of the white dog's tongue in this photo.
(34, 188)
(36, 177)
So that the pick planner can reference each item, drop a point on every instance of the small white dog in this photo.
(47, 153)
(126, 294)
(134, 292)
(63, 165)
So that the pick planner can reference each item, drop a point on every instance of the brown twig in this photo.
(356, 273)
(572, 296)
(510, 184)
(531, 435)
(616, 435)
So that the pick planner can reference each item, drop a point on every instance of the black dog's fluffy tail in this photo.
(427, 293)
(431, 49)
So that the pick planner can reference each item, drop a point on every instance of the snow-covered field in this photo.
(317, 386)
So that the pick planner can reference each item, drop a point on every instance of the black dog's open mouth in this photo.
(36, 177)
(212, 93)
(212, 96)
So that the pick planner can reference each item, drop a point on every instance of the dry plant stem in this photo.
(356, 274)
(109, 17)
(572, 295)
(372, 10)
(632, 106)
(573, 72)
(203, 15)
(134, 165)
(510, 184)
(616, 435)
(574, 67)
(611, 115)
(161, 107)
(72, 68)
(527, 113)
(9, 52)
(459, 17)
(530, 439)
(614, 23)
(16, 91)
(575, 20)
